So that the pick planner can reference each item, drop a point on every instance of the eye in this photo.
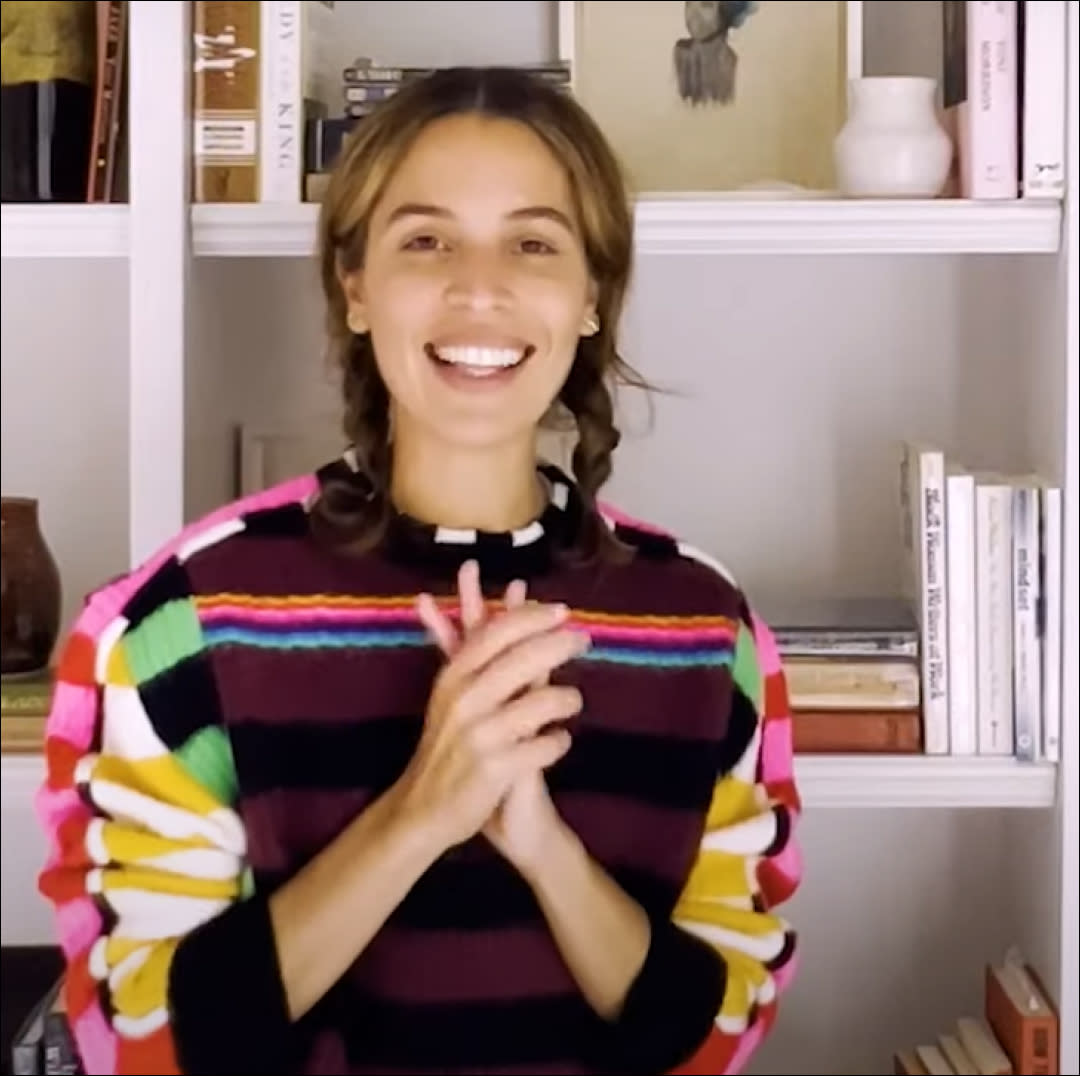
(536, 246)
(421, 243)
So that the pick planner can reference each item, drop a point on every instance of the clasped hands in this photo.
(494, 722)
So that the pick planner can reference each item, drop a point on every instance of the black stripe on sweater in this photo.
(306, 754)
(432, 1037)
(463, 893)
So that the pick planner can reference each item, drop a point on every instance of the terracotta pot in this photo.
(29, 590)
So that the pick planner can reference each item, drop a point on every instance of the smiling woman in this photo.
(468, 216)
(429, 762)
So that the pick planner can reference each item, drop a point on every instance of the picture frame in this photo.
(748, 111)
(269, 454)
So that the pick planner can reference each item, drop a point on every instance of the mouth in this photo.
(476, 360)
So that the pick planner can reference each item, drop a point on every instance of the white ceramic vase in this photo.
(892, 145)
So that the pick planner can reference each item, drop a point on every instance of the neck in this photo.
(487, 490)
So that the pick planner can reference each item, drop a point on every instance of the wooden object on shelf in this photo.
(29, 590)
(24, 710)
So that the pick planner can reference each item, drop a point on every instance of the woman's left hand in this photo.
(526, 821)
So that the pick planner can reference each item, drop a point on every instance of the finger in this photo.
(527, 716)
(498, 634)
(516, 669)
(514, 598)
(516, 594)
(471, 597)
(438, 625)
(530, 756)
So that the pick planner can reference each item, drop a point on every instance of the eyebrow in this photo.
(532, 212)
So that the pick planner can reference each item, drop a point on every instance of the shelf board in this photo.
(875, 781)
(715, 225)
(63, 231)
(836, 781)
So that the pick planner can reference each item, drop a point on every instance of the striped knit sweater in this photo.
(225, 710)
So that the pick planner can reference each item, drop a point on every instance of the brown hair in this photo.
(355, 511)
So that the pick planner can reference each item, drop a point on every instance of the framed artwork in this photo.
(707, 96)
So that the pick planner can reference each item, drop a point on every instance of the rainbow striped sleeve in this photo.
(749, 861)
(144, 844)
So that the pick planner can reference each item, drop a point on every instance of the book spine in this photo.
(225, 84)
(875, 732)
(61, 1058)
(111, 26)
(993, 570)
(960, 542)
(925, 480)
(1027, 658)
(1050, 552)
(1043, 121)
(281, 102)
(991, 161)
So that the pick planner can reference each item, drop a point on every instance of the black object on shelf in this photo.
(26, 973)
(48, 92)
(45, 141)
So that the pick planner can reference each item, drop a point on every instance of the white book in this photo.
(960, 591)
(1027, 647)
(281, 102)
(994, 614)
(293, 67)
(922, 502)
(1042, 125)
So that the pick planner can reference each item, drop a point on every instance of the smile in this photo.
(478, 360)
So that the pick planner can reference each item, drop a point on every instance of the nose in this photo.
(477, 280)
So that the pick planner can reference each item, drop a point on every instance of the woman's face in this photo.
(475, 287)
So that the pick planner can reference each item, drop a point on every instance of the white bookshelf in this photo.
(64, 231)
(209, 289)
(665, 225)
(706, 225)
(825, 782)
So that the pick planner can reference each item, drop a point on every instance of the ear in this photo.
(352, 288)
(590, 321)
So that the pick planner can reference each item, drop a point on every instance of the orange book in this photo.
(1023, 1018)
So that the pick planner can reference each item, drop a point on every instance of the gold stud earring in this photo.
(592, 325)
(356, 323)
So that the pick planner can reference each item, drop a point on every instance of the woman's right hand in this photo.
(488, 722)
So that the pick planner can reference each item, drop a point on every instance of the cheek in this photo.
(401, 299)
(560, 298)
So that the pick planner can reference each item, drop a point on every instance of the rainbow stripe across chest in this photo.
(347, 622)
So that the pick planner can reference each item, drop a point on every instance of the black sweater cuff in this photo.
(671, 1006)
(228, 1006)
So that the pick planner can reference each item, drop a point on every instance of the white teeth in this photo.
(487, 357)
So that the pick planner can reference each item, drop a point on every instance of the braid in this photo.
(587, 397)
(353, 509)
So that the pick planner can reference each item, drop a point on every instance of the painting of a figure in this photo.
(715, 95)
(706, 61)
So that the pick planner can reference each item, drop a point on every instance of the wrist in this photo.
(557, 856)
(402, 824)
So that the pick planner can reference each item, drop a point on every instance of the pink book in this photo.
(980, 89)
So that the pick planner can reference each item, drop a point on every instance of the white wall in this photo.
(63, 411)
